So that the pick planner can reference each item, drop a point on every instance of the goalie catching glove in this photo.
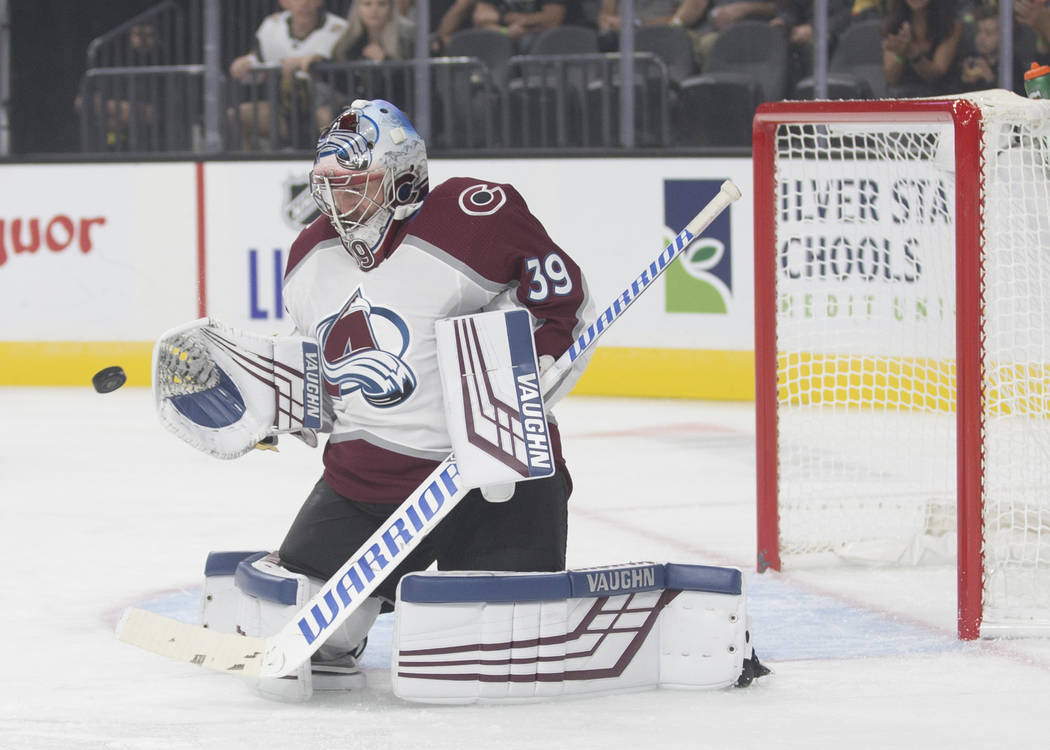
(224, 392)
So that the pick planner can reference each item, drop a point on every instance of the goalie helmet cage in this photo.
(902, 379)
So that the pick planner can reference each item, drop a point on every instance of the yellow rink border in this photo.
(720, 375)
(613, 371)
(71, 362)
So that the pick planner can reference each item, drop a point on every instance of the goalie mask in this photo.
(370, 173)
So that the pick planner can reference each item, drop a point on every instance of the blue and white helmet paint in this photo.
(369, 172)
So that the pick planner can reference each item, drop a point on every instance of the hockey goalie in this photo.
(429, 323)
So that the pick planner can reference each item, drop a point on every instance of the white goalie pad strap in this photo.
(222, 391)
(493, 404)
(488, 637)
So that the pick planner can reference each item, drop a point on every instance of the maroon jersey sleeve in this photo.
(488, 228)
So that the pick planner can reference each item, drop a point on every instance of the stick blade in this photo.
(222, 652)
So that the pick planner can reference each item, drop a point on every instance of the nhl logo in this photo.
(297, 205)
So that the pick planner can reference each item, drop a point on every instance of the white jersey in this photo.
(473, 246)
(274, 40)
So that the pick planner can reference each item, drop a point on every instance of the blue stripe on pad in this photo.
(705, 578)
(519, 338)
(225, 563)
(421, 588)
(424, 589)
(262, 585)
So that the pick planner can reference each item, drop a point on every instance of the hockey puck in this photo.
(109, 379)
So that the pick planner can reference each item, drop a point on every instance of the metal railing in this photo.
(5, 78)
(269, 111)
(212, 32)
(169, 33)
(462, 109)
(265, 111)
(463, 101)
(142, 110)
(173, 32)
(453, 102)
(549, 101)
(575, 100)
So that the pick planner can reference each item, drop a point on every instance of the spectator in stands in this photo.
(459, 15)
(865, 10)
(114, 113)
(723, 13)
(980, 63)
(436, 11)
(1031, 29)
(685, 13)
(920, 41)
(375, 30)
(1036, 15)
(144, 45)
(520, 19)
(796, 16)
(296, 38)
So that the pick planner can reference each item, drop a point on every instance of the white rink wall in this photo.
(113, 255)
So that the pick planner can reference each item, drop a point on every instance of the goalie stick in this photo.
(281, 653)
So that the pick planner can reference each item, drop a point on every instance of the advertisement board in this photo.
(128, 251)
(853, 250)
(103, 253)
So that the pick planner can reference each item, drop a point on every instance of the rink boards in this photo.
(96, 260)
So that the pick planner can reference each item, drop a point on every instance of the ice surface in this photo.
(100, 508)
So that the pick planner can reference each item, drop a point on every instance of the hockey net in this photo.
(902, 282)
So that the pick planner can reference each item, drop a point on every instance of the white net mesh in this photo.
(1016, 364)
(865, 337)
(865, 287)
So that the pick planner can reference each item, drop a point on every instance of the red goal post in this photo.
(901, 342)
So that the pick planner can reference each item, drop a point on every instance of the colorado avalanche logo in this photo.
(363, 348)
(350, 149)
(409, 188)
(482, 200)
(350, 141)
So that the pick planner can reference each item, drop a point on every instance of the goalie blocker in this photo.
(487, 637)
(494, 408)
